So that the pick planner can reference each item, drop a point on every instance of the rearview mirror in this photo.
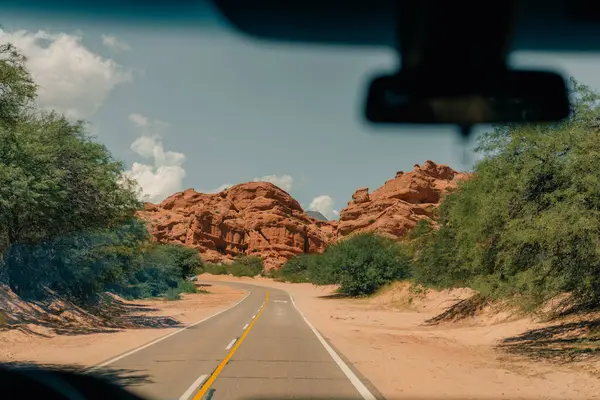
(508, 96)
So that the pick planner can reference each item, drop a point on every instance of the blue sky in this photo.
(206, 108)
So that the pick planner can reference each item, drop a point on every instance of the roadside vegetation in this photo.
(528, 223)
(241, 266)
(360, 265)
(67, 212)
(525, 227)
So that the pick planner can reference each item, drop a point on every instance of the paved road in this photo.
(260, 348)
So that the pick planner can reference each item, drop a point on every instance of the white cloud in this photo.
(157, 182)
(283, 181)
(139, 120)
(324, 205)
(114, 44)
(220, 188)
(72, 79)
(151, 147)
(162, 176)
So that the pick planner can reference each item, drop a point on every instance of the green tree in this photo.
(67, 212)
(296, 269)
(157, 273)
(78, 265)
(17, 88)
(55, 179)
(529, 221)
(186, 259)
(162, 268)
(63, 197)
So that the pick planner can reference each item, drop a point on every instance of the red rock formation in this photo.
(255, 218)
(397, 206)
(260, 219)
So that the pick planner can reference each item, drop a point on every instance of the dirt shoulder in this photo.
(139, 322)
(387, 340)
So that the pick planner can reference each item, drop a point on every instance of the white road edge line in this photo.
(360, 387)
(230, 345)
(245, 326)
(160, 339)
(254, 316)
(197, 383)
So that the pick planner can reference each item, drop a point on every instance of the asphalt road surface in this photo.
(261, 348)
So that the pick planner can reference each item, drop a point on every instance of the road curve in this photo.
(262, 348)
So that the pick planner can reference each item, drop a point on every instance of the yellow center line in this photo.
(223, 363)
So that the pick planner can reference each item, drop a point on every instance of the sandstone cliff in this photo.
(260, 219)
(255, 218)
(397, 206)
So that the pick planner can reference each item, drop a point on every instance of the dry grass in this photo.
(466, 308)
(63, 317)
(566, 339)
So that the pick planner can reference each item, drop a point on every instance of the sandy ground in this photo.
(44, 346)
(386, 340)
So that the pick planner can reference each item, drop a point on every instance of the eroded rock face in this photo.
(260, 219)
(397, 206)
(255, 218)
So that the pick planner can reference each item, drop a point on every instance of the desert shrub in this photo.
(76, 265)
(156, 273)
(187, 287)
(528, 223)
(246, 266)
(186, 259)
(422, 228)
(360, 264)
(295, 270)
(172, 293)
(216, 269)
(162, 266)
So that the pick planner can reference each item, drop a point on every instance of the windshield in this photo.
(192, 213)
